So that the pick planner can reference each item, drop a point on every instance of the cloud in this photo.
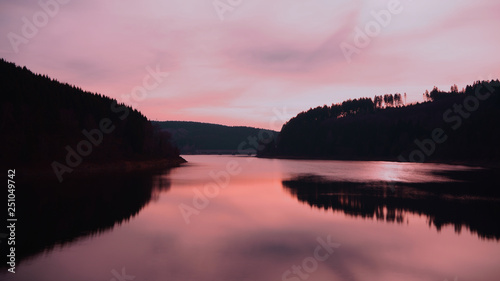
(263, 55)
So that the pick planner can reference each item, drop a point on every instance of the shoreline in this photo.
(475, 163)
(36, 172)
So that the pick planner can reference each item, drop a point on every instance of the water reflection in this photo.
(53, 215)
(469, 199)
(254, 230)
(369, 171)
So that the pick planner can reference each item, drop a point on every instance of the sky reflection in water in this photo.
(261, 225)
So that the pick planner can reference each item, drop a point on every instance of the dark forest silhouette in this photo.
(205, 138)
(40, 116)
(384, 128)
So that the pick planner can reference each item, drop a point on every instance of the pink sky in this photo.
(263, 56)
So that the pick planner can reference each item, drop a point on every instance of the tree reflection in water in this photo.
(54, 214)
(470, 199)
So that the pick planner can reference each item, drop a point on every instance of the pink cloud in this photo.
(262, 56)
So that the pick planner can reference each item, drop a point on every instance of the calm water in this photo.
(273, 220)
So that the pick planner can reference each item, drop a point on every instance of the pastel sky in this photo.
(254, 63)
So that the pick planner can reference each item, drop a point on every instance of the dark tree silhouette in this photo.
(389, 100)
(426, 95)
(398, 100)
(40, 116)
(378, 100)
(362, 129)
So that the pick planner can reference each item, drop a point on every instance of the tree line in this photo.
(40, 116)
(385, 127)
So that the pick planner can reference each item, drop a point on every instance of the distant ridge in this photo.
(207, 138)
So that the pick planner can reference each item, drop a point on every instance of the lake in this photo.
(244, 218)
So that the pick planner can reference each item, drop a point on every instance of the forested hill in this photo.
(451, 126)
(205, 138)
(44, 121)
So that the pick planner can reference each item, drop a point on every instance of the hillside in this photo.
(50, 126)
(455, 126)
(205, 138)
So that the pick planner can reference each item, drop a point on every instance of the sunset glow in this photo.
(240, 64)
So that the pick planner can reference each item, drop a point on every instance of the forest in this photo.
(448, 126)
(206, 138)
(42, 121)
